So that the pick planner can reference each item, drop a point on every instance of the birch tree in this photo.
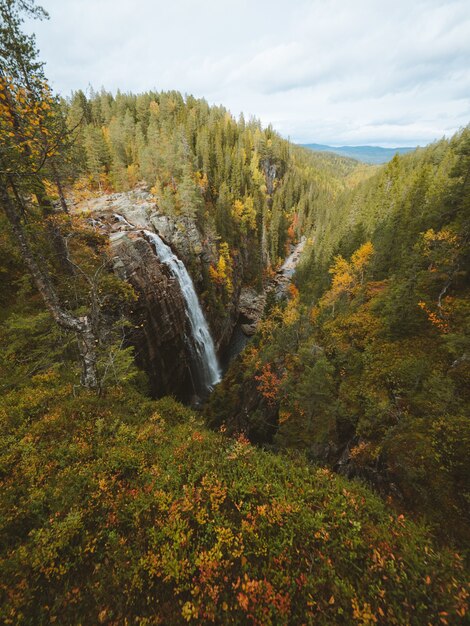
(30, 137)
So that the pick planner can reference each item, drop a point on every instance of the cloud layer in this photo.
(327, 71)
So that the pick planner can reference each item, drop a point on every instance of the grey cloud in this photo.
(322, 70)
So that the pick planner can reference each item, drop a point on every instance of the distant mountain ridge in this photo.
(367, 154)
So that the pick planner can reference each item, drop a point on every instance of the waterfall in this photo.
(122, 219)
(208, 372)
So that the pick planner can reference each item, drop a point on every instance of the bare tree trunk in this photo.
(63, 202)
(87, 342)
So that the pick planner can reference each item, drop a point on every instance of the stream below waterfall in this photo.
(279, 286)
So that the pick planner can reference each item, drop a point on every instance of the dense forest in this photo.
(325, 478)
(366, 367)
(250, 186)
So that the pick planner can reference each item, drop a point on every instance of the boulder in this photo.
(251, 304)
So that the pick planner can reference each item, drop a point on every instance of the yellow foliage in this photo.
(202, 181)
(222, 274)
(132, 175)
(361, 259)
(291, 312)
(26, 123)
(244, 214)
(445, 235)
(364, 615)
(435, 319)
(347, 276)
(189, 611)
(258, 177)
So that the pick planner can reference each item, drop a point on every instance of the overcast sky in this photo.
(381, 72)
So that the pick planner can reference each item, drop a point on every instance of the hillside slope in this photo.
(121, 510)
(118, 509)
(367, 368)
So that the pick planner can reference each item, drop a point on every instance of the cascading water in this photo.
(207, 371)
(122, 219)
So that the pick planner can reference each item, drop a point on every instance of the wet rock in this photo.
(137, 210)
(251, 304)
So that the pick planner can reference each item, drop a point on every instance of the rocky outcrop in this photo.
(137, 210)
(159, 318)
(251, 308)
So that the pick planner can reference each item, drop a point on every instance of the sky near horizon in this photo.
(340, 72)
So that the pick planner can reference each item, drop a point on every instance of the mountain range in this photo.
(367, 154)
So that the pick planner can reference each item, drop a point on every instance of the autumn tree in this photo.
(31, 136)
(222, 274)
(348, 276)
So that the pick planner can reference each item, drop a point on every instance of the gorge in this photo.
(349, 370)
(234, 372)
(172, 338)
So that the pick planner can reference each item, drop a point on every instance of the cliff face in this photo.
(159, 318)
